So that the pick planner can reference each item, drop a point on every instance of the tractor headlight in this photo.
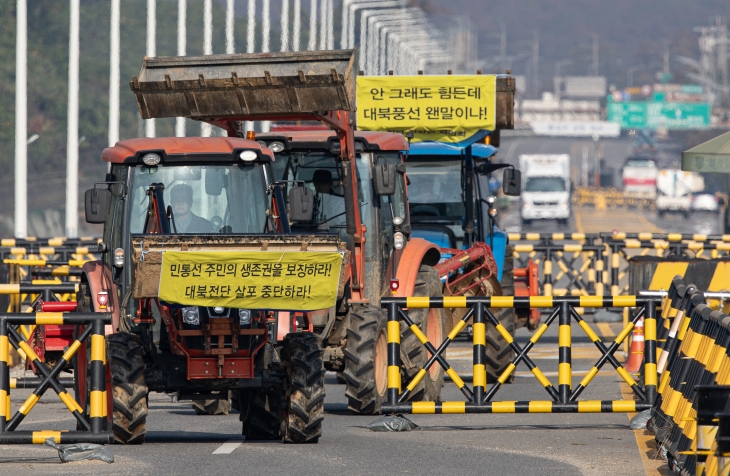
(244, 316)
(191, 316)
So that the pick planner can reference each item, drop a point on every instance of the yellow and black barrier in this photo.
(693, 386)
(94, 426)
(563, 399)
(598, 263)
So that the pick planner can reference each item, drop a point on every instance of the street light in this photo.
(32, 139)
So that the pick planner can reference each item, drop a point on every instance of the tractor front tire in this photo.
(129, 389)
(302, 422)
(499, 353)
(432, 322)
(366, 356)
(261, 416)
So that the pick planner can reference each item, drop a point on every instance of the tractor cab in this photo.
(311, 158)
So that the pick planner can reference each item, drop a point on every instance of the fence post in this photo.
(615, 261)
(565, 377)
(4, 375)
(97, 394)
(480, 353)
(547, 272)
(599, 272)
(650, 371)
(393, 331)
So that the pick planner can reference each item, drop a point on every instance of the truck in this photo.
(675, 189)
(639, 175)
(546, 188)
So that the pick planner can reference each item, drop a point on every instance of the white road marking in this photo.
(228, 447)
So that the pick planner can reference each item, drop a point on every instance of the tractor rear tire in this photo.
(302, 422)
(433, 323)
(261, 416)
(128, 387)
(212, 407)
(366, 355)
(499, 353)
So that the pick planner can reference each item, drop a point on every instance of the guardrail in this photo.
(94, 425)
(563, 399)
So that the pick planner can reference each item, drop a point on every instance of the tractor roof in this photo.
(128, 150)
(375, 140)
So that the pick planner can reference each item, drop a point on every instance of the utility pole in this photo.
(21, 120)
(250, 42)
(72, 137)
(113, 136)
(535, 64)
(206, 130)
(230, 23)
(149, 124)
(502, 48)
(297, 25)
(284, 26)
(182, 13)
(722, 50)
(312, 45)
(665, 69)
(595, 54)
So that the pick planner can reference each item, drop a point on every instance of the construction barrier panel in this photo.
(94, 426)
(563, 397)
(694, 384)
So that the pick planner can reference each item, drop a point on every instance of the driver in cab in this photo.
(181, 198)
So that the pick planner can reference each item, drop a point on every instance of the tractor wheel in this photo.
(128, 387)
(212, 407)
(261, 416)
(499, 353)
(305, 403)
(433, 323)
(366, 356)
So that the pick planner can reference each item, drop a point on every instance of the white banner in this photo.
(576, 129)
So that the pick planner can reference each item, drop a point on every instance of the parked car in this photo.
(703, 201)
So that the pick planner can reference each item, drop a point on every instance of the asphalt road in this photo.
(179, 442)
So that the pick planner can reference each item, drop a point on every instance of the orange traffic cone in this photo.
(636, 353)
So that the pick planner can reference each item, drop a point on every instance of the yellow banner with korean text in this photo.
(449, 109)
(280, 280)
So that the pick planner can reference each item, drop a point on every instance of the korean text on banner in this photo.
(437, 108)
(286, 280)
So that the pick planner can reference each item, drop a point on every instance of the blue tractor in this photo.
(452, 198)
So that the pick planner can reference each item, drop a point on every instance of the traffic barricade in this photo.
(479, 399)
(94, 426)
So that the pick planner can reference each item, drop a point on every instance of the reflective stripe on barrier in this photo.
(479, 399)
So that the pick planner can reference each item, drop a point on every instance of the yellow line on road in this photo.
(654, 465)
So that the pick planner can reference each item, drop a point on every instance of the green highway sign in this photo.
(655, 114)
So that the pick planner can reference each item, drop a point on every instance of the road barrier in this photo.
(695, 373)
(563, 399)
(94, 426)
(598, 263)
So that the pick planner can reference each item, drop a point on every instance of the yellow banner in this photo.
(283, 280)
(438, 108)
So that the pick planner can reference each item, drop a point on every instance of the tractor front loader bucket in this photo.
(257, 86)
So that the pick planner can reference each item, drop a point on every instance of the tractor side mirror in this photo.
(301, 204)
(384, 180)
(512, 182)
(96, 205)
